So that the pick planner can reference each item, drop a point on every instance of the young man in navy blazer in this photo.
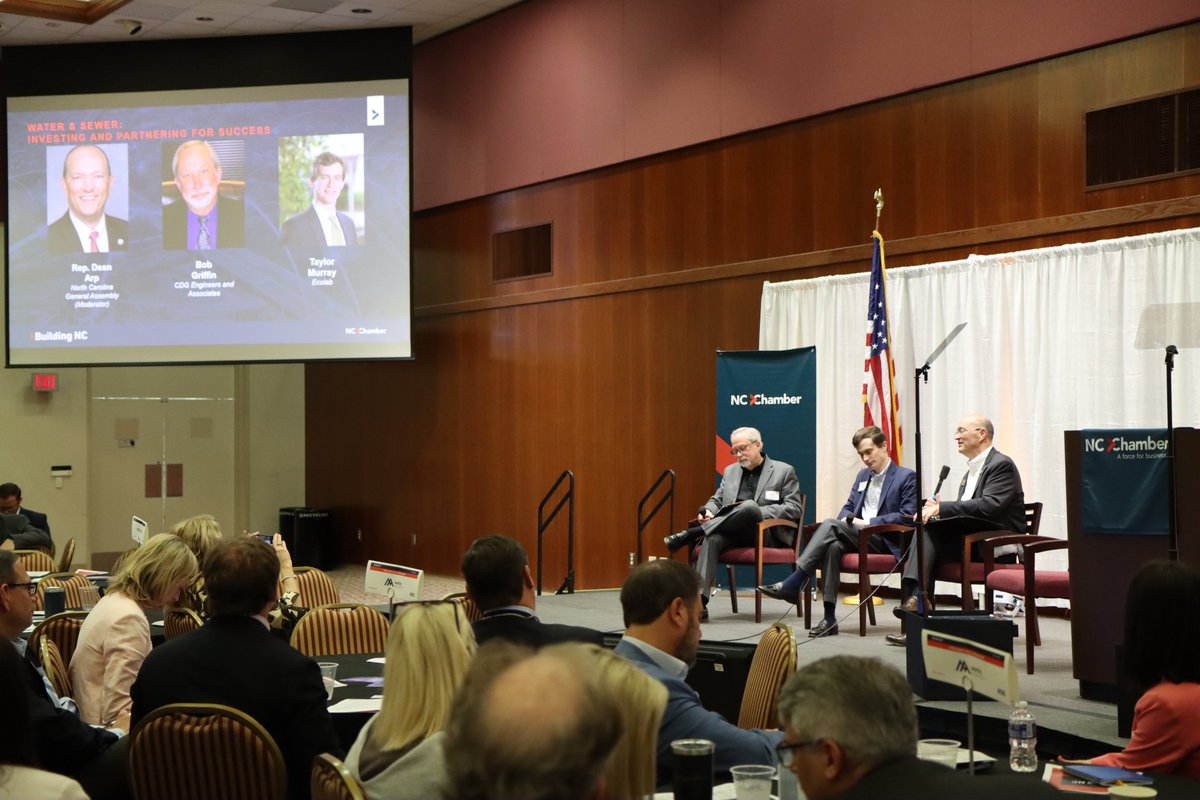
(883, 493)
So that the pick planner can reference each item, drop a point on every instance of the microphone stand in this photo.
(1172, 531)
(919, 532)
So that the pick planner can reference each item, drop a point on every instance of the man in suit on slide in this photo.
(203, 219)
(321, 224)
(883, 493)
(84, 227)
(753, 488)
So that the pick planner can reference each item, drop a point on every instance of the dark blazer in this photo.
(777, 476)
(909, 777)
(25, 536)
(997, 498)
(36, 518)
(231, 224)
(523, 628)
(686, 718)
(63, 743)
(897, 501)
(62, 238)
(305, 230)
(237, 662)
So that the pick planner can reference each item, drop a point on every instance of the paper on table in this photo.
(356, 706)
(376, 660)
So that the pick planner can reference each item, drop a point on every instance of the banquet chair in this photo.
(71, 584)
(864, 563)
(332, 781)
(1029, 582)
(967, 571)
(470, 608)
(758, 554)
(201, 751)
(339, 629)
(178, 620)
(68, 555)
(35, 560)
(773, 663)
(55, 668)
(62, 629)
(316, 588)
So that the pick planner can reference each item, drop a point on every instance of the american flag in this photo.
(880, 406)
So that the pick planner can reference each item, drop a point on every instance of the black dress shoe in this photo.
(776, 591)
(824, 628)
(704, 614)
(909, 605)
(680, 540)
(898, 639)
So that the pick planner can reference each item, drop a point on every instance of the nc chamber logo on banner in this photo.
(1124, 475)
(774, 391)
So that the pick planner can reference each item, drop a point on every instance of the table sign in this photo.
(393, 580)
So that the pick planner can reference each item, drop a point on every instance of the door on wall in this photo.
(162, 448)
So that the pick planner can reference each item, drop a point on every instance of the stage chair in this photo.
(316, 588)
(471, 611)
(863, 563)
(339, 629)
(200, 751)
(1027, 581)
(773, 663)
(757, 555)
(68, 553)
(332, 781)
(62, 629)
(178, 620)
(54, 667)
(966, 571)
(35, 560)
(71, 584)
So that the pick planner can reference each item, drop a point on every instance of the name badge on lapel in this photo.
(771, 495)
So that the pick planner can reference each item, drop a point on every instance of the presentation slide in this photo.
(266, 223)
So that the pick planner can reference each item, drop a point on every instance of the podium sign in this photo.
(1124, 481)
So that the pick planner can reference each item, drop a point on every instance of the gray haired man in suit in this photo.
(753, 488)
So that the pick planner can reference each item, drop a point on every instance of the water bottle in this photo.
(1022, 739)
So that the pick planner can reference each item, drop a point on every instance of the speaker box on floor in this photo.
(973, 625)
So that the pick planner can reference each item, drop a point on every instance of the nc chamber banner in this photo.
(1124, 476)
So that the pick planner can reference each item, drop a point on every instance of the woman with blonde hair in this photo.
(203, 531)
(115, 637)
(398, 753)
(642, 700)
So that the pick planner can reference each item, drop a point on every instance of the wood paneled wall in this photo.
(606, 367)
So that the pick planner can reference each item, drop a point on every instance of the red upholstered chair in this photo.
(967, 571)
(864, 563)
(757, 555)
(1026, 580)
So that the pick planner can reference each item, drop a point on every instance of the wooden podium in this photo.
(1103, 564)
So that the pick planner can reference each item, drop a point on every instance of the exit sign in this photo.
(45, 381)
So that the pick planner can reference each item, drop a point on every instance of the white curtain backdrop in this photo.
(1051, 344)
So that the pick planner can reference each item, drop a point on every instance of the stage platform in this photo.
(1069, 725)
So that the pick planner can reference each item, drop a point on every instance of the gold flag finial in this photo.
(878, 206)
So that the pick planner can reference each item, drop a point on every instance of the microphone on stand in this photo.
(941, 477)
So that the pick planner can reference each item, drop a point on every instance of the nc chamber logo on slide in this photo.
(759, 399)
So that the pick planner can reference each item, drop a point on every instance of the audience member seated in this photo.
(115, 637)
(10, 503)
(851, 733)
(398, 753)
(661, 605)
(62, 743)
(529, 726)
(642, 700)
(16, 533)
(1162, 656)
(234, 660)
(496, 569)
(203, 531)
(19, 777)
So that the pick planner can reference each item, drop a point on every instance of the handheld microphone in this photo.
(941, 477)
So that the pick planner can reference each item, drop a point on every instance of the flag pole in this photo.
(878, 206)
